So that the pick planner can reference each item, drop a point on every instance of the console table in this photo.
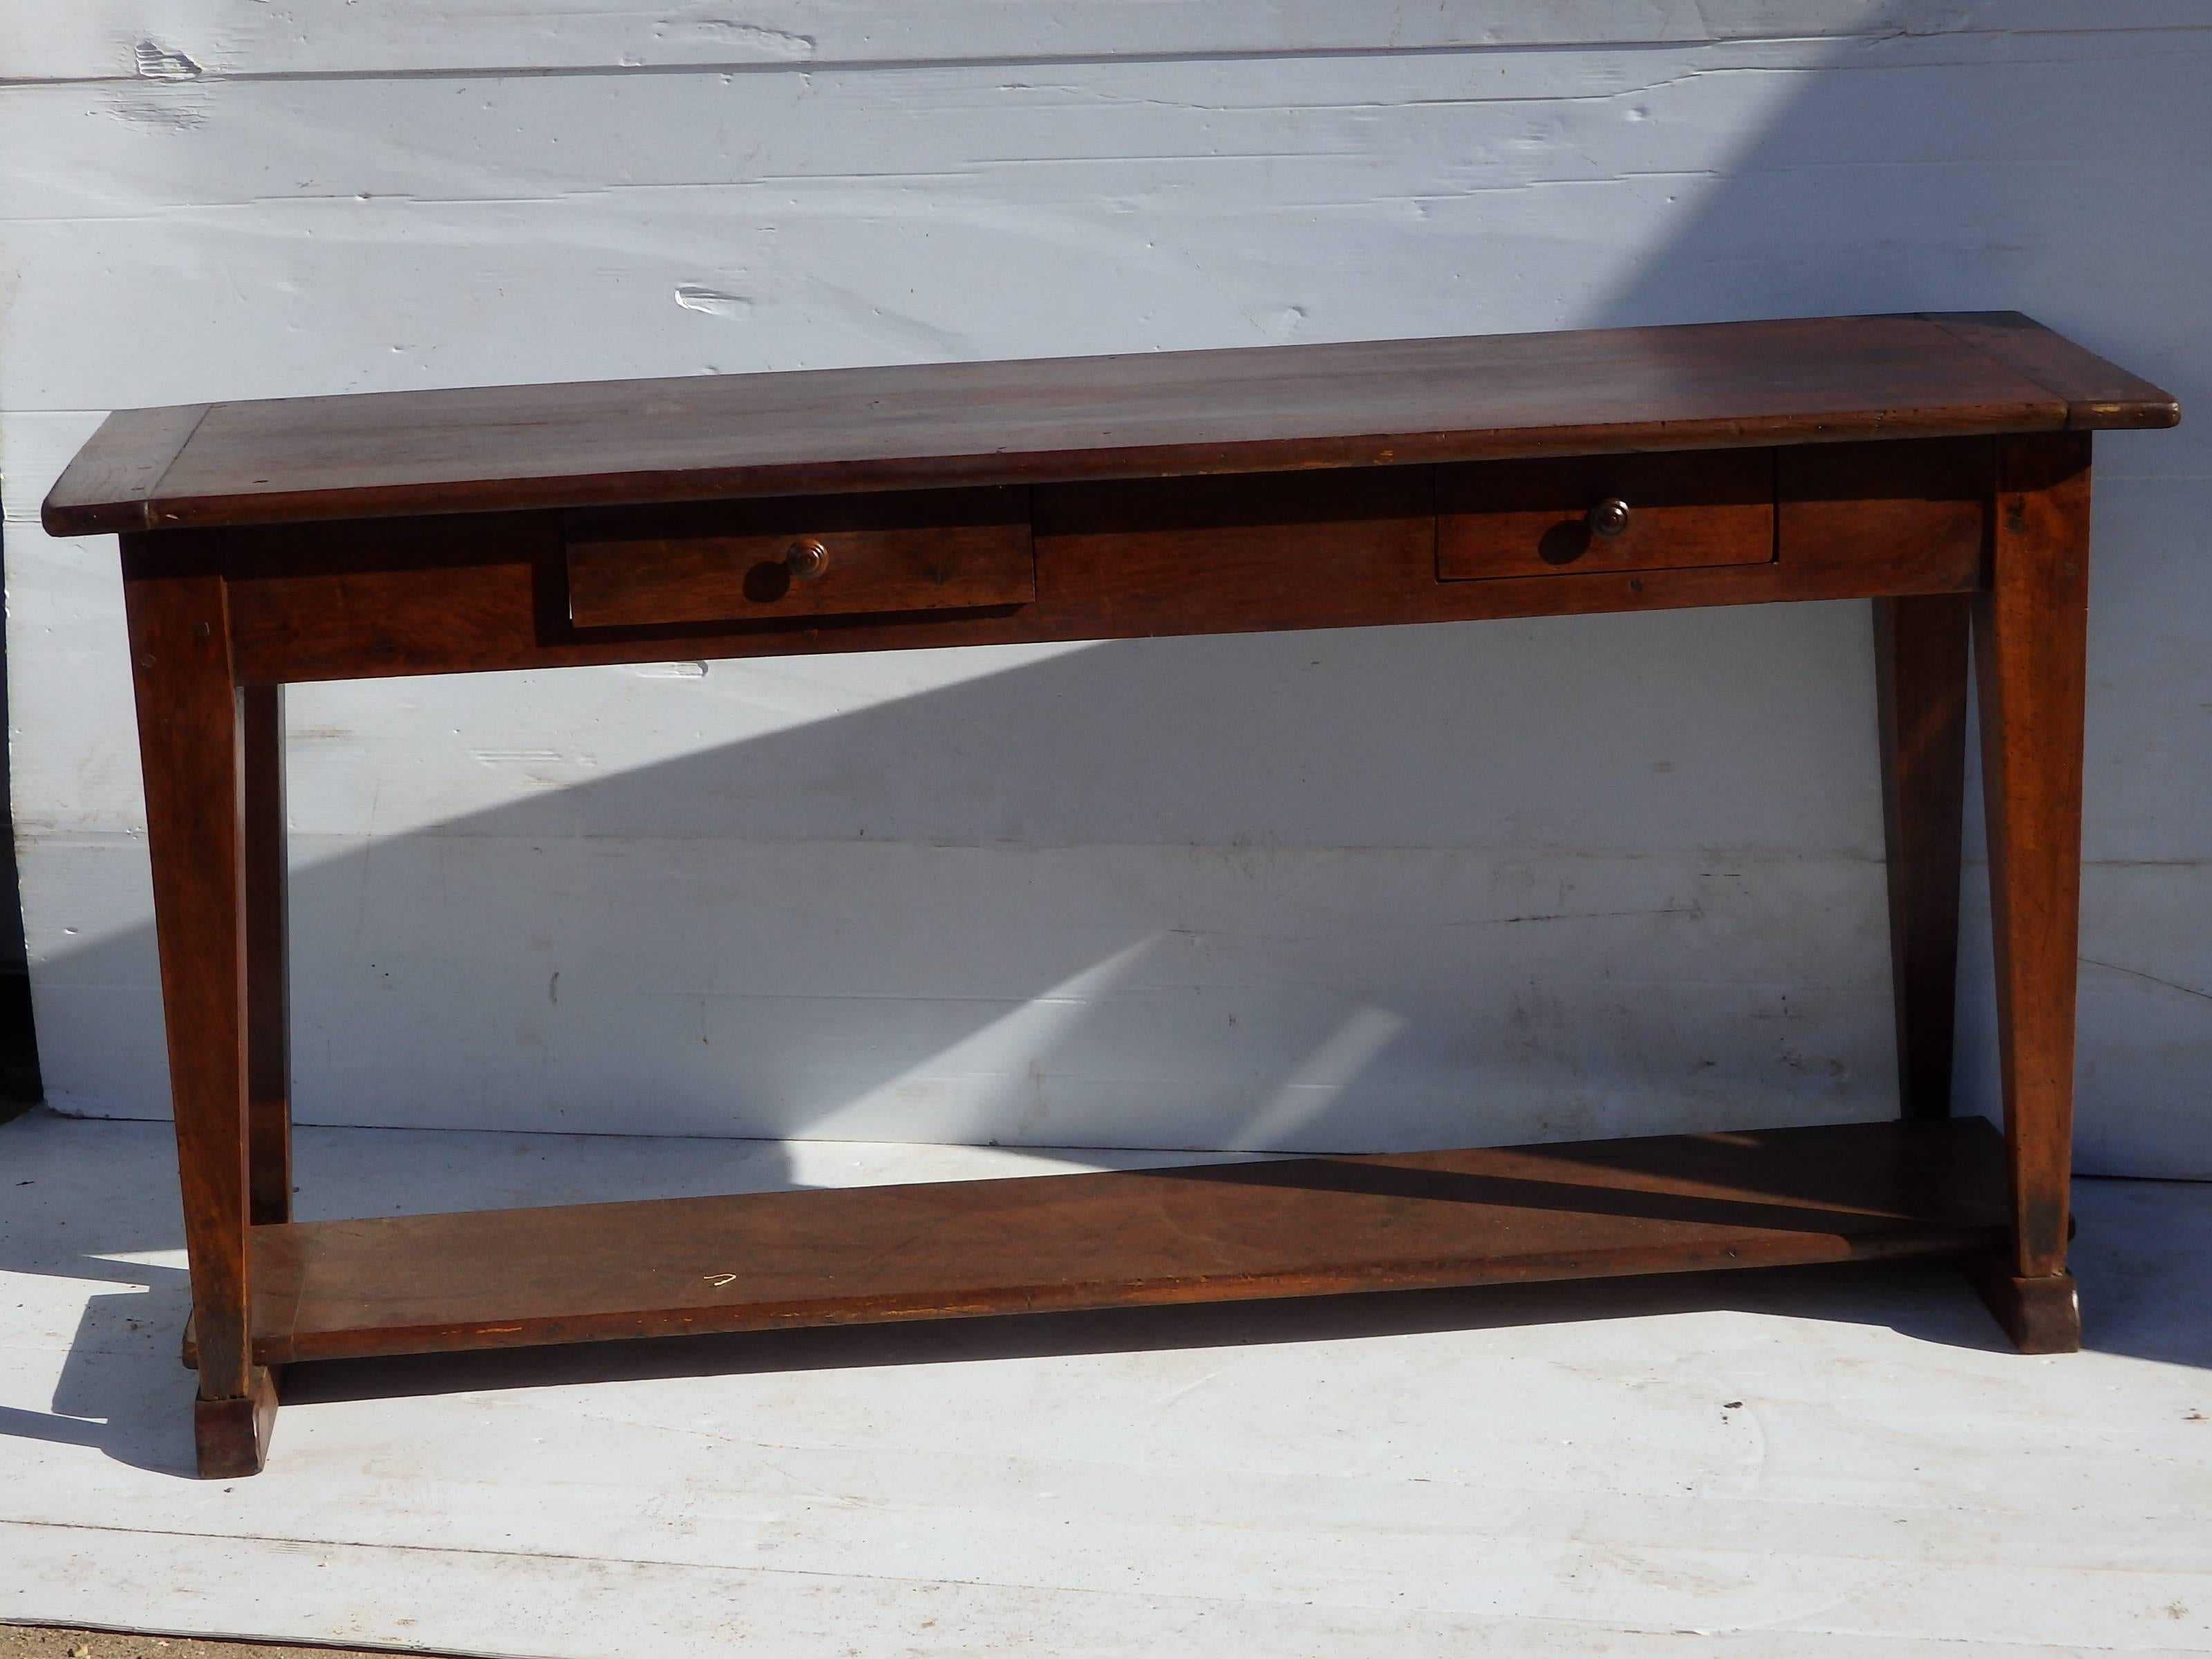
(1938, 464)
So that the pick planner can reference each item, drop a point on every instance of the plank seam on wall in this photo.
(198, 73)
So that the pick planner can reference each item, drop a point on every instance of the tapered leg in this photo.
(189, 734)
(1920, 678)
(2031, 631)
(268, 1011)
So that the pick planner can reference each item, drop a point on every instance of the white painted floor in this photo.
(1837, 1462)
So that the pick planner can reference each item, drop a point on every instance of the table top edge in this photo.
(115, 483)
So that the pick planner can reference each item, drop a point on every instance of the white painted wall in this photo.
(1359, 888)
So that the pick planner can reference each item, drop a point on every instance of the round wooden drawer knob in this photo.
(807, 558)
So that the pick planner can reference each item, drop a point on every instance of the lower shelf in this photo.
(1303, 1226)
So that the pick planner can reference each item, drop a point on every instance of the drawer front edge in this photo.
(799, 558)
(1590, 513)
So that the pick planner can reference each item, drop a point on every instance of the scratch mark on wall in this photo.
(1696, 912)
(158, 64)
(777, 44)
(167, 111)
(895, 330)
(2137, 973)
(712, 300)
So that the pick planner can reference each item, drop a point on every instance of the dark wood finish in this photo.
(922, 426)
(2031, 644)
(2099, 394)
(1921, 690)
(232, 1435)
(1135, 559)
(909, 551)
(190, 750)
(268, 979)
(2041, 1314)
(1157, 555)
(1883, 509)
(119, 469)
(1932, 495)
(1294, 1227)
(1939, 467)
(1534, 518)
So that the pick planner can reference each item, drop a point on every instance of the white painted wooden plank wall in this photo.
(1359, 888)
(96, 39)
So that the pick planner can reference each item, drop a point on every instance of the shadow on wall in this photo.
(2001, 173)
(1342, 891)
(1316, 891)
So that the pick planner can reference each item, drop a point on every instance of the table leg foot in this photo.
(2041, 1315)
(232, 1436)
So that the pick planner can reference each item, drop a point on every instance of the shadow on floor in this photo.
(1927, 1301)
(80, 1210)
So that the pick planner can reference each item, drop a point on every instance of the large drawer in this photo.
(1599, 513)
(813, 556)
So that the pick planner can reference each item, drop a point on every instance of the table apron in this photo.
(368, 599)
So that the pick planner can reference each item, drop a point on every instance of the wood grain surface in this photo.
(1921, 694)
(267, 954)
(2030, 649)
(931, 549)
(189, 726)
(1536, 517)
(1134, 558)
(2099, 394)
(1084, 500)
(1358, 403)
(191, 749)
(1290, 1227)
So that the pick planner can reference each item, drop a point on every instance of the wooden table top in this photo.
(1356, 403)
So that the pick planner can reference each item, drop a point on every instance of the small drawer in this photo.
(815, 556)
(1599, 513)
